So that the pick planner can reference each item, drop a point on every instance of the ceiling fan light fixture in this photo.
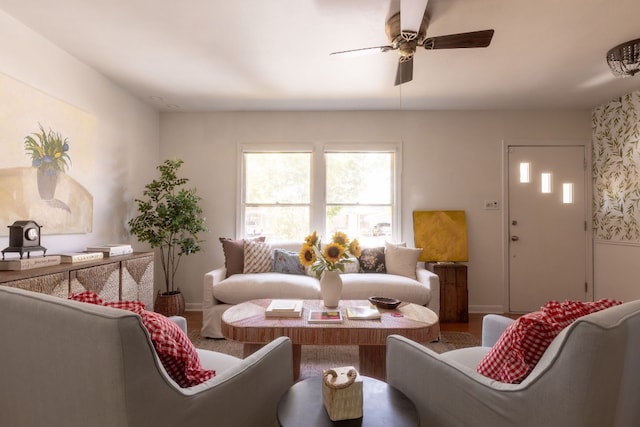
(624, 59)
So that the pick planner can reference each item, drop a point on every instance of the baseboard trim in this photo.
(486, 309)
(193, 306)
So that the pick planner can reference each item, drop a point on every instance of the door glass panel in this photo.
(545, 181)
(567, 192)
(525, 175)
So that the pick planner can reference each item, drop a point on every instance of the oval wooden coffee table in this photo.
(248, 324)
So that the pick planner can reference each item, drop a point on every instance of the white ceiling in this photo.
(212, 55)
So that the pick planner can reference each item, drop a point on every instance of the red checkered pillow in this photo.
(177, 354)
(524, 342)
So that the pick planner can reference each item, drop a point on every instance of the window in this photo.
(286, 193)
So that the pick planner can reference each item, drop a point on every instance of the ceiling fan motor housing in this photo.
(407, 41)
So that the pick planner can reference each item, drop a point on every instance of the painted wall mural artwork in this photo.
(48, 158)
(616, 169)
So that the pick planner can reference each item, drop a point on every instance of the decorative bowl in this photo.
(383, 302)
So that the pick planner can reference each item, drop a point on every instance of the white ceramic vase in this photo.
(331, 288)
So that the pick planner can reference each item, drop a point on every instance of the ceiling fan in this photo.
(406, 31)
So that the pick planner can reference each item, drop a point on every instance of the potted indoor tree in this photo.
(170, 219)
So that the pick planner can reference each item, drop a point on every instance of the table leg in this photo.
(297, 359)
(373, 361)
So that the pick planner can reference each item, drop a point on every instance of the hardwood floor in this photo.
(474, 327)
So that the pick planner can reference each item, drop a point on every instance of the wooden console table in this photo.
(124, 277)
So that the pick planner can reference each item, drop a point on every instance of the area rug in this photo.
(316, 358)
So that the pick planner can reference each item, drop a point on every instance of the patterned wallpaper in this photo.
(616, 169)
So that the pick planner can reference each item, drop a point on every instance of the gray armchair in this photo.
(65, 363)
(588, 376)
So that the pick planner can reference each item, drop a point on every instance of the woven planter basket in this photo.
(171, 304)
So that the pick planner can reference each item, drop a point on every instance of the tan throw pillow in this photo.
(258, 257)
(400, 260)
(234, 254)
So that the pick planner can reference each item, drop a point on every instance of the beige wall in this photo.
(127, 135)
(451, 160)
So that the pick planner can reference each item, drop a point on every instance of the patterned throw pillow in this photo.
(523, 343)
(372, 260)
(258, 257)
(351, 266)
(234, 254)
(176, 352)
(286, 262)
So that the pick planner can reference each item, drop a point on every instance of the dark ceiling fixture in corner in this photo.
(624, 59)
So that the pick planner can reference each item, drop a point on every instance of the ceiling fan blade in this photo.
(458, 41)
(411, 14)
(364, 51)
(404, 73)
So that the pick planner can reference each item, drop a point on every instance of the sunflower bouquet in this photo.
(330, 257)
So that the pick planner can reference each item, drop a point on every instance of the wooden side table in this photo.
(454, 295)
(383, 406)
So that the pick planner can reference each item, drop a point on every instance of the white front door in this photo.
(547, 225)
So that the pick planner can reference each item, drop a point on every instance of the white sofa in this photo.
(67, 363)
(221, 292)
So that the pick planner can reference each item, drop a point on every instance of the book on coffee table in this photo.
(325, 316)
(363, 312)
(284, 308)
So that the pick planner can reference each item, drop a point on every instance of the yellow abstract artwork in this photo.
(442, 235)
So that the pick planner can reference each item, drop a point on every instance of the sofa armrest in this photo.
(210, 279)
(430, 280)
(493, 325)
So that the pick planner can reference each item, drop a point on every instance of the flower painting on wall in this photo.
(37, 178)
(49, 155)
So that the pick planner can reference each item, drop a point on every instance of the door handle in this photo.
(514, 238)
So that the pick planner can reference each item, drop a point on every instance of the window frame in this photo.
(317, 202)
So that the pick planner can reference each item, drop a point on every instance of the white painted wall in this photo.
(452, 160)
(127, 140)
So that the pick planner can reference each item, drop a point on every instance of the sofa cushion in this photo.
(287, 262)
(258, 257)
(245, 287)
(372, 260)
(401, 260)
(523, 343)
(365, 285)
(175, 351)
(234, 254)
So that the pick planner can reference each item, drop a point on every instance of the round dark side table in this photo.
(383, 405)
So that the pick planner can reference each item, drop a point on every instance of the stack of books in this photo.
(18, 264)
(111, 249)
(284, 308)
